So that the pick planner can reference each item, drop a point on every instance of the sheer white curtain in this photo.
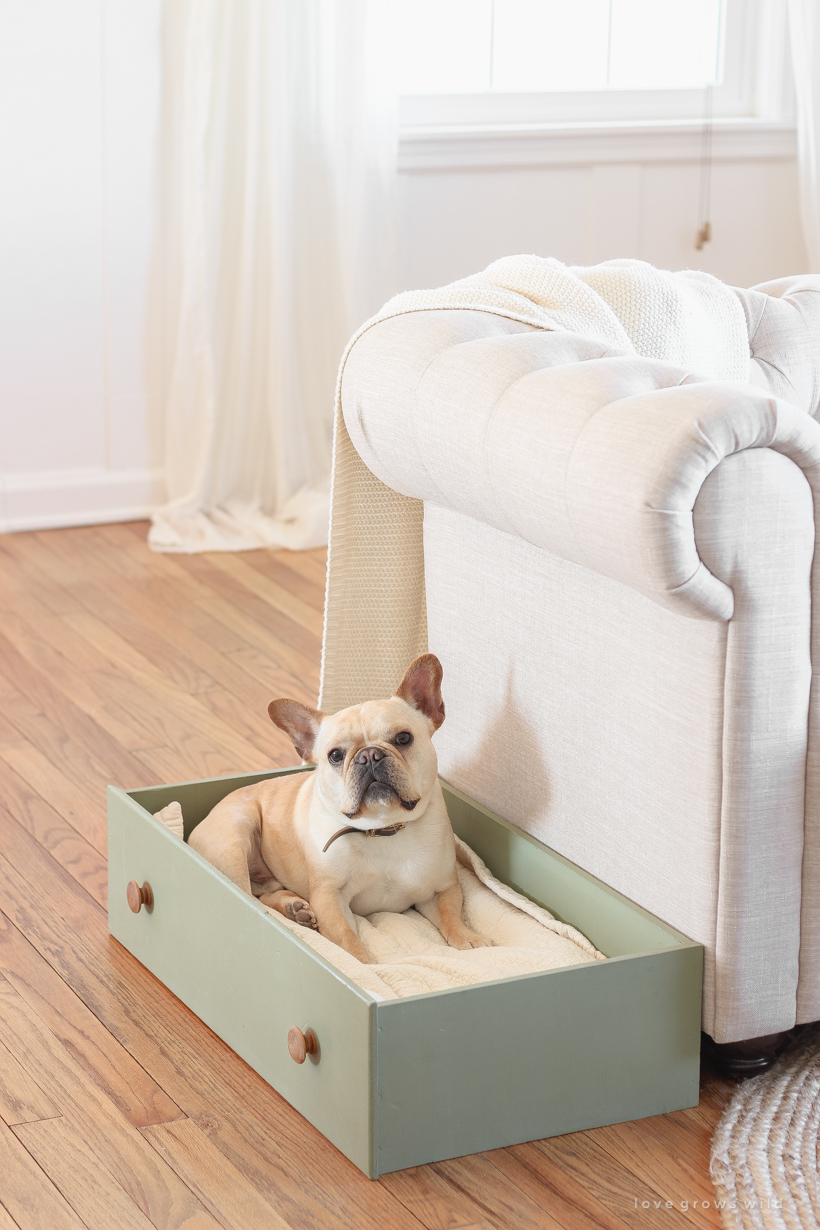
(804, 29)
(276, 239)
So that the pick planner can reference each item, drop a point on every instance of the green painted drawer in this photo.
(417, 1080)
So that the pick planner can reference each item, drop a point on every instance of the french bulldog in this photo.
(368, 830)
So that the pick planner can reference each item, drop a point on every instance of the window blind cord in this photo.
(704, 233)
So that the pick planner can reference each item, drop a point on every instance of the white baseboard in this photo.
(59, 498)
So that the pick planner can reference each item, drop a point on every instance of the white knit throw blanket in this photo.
(375, 613)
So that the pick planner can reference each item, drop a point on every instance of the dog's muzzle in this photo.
(375, 777)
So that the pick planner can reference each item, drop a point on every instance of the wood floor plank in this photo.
(475, 1225)
(29, 1195)
(257, 665)
(80, 1177)
(616, 1188)
(105, 543)
(240, 684)
(503, 1204)
(669, 1146)
(21, 575)
(278, 567)
(32, 556)
(173, 638)
(187, 599)
(299, 639)
(436, 1203)
(149, 1182)
(98, 745)
(276, 748)
(79, 670)
(6, 1220)
(21, 1099)
(310, 564)
(94, 680)
(332, 1192)
(277, 596)
(232, 719)
(59, 773)
(152, 628)
(71, 664)
(199, 576)
(231, 1197)
(715, 1093)
(572, 1205)
(97, 600)
(105, 1061)
(107, 677)
(164, 713)
(266, 635)
(90, 593)
(55, 834)
(65, 557)
(203, 632)
(153, 658)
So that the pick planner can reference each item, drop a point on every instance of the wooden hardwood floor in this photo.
(118, 1108)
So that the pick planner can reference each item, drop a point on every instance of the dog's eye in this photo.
(335, 755)
(403, 738)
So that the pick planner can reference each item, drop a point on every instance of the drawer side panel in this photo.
(244, 975)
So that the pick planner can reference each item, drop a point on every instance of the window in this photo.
(546, 61)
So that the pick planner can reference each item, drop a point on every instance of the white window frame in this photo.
(752, 110)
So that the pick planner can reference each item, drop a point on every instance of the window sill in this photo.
(470, 147)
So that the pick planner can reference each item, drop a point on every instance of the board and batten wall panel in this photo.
(131, 69)
(79, 94)
(79, 98)
(455, 222)
(51, 234)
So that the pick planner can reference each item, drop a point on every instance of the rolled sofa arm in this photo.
(597, 458)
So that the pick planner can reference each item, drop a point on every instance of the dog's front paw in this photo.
(300, 912)
(464, 939)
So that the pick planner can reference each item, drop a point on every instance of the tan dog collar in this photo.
(389, 831)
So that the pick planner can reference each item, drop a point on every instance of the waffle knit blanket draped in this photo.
(375, 615)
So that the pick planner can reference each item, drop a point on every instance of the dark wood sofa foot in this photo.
(749, 1057)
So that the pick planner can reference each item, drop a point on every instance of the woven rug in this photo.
(764, 1149)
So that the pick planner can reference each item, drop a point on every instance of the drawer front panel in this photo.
(494, 1065)
(244, 975)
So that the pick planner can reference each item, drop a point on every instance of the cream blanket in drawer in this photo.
(410, 956)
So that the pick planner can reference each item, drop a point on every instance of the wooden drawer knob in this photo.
(139, 897)
(302, 1044)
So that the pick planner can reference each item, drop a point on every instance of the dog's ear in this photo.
(299, 723)
(421, 687)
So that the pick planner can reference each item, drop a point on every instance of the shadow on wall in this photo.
(506, 771)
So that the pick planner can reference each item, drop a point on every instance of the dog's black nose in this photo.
(370, 755)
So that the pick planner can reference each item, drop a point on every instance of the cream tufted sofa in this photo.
(618, 561)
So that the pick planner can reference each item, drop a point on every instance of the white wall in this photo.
(79, 93)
